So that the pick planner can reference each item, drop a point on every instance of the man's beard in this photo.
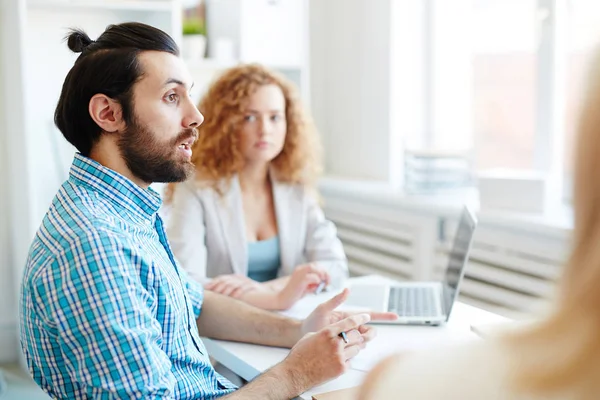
(153, 161)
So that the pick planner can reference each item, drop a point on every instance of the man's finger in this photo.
(352, 322)
(383, 316)
(368, 333)
(375, 315)
(351, 351)
(353, 337)
(335, 301)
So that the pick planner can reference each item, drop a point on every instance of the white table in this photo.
(249, 360)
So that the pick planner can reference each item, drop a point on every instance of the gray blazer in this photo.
(208, 236)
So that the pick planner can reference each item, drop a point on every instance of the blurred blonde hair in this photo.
(216, 154)
(564, 350)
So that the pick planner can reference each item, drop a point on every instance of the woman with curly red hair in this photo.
(250, 219)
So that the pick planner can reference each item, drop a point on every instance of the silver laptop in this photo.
(422, 303)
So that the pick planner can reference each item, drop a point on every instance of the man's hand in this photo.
(322, 356)
(233, 285)
(316, 358)
(325, 315)
(305, 279)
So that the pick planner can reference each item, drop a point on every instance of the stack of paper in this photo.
(435, 171)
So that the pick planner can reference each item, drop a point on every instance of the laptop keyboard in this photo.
(412, 301)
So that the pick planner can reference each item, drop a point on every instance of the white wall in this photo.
(6, 297)
(14, 173)
(350, 91)
(366, 84)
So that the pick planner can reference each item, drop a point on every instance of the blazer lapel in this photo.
(288, 217)
(231, 214)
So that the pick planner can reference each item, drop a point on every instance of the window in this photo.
(504, 60)
(484, 80)
(505, 79)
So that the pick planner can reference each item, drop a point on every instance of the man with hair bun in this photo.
(106, 311)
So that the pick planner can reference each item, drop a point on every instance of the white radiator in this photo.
(384, 241)
(509, 271)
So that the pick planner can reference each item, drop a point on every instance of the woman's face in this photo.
(264, 125)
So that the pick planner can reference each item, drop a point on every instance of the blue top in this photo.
(264, 259)
(106, 312)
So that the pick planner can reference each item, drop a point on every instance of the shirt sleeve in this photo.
(106, 328)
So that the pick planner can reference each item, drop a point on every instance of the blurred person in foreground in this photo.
(557, 357)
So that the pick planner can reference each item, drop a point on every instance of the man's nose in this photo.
(194, 117)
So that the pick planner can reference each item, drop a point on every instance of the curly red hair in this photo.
(216, 153)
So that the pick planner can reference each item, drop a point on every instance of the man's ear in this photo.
(107, 113)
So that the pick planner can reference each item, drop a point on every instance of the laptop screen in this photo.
(458, 259)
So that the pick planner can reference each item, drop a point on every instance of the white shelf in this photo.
(209, 63)
(125, 5)
(286, 67)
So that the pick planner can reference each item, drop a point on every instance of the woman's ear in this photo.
(107, 113)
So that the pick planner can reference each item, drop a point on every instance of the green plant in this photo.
(194, 26)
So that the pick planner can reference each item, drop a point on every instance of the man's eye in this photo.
(172, 98)
(249, 118)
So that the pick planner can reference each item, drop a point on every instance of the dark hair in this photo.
(108, 66)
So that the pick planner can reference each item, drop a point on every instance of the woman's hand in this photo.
(233, 285)
(305, 279)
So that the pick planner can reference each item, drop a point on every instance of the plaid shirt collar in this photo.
(144, 203)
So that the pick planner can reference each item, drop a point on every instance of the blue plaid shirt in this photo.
(106, 312)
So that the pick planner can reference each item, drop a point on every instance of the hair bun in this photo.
(78, 40)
